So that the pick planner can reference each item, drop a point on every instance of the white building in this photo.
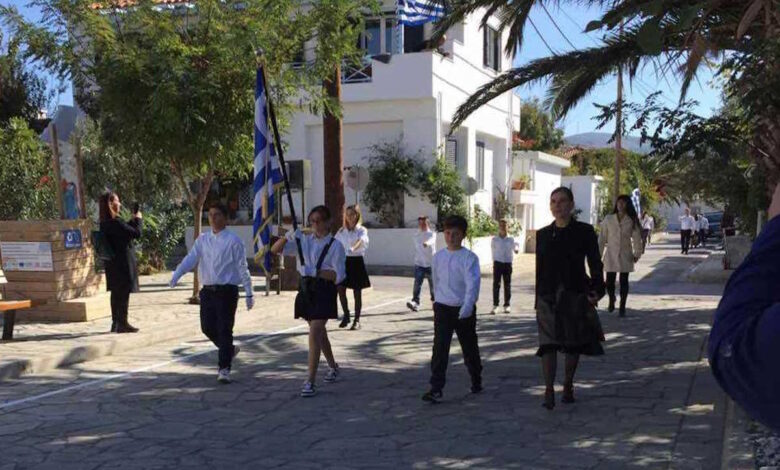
(411, 96)
(534, 176)
(589, 196)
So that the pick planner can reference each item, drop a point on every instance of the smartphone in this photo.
(136, 208)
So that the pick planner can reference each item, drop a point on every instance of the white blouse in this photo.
(312, 247)
(348, 238)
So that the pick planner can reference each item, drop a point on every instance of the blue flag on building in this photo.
(268, 177)
(417, 12)
(635, 200)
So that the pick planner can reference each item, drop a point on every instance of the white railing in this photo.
(360, 72)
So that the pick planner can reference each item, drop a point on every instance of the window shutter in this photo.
(486, 46)
(451, 152)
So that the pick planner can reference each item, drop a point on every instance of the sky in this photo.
(571, 20)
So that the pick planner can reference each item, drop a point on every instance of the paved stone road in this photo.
(649, 402)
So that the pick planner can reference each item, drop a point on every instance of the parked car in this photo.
(715, 219)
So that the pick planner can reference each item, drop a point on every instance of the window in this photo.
(491, 52)
(481, 165)
(414, 37)
(390, 25)
(451, 152)
(370, 39)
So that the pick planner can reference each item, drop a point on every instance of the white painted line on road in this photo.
(110, 378)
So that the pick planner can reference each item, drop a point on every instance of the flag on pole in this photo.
(268, 177)
(635, 200)
(417, 12)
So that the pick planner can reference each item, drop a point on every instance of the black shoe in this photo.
(476, 388)
(611, 307)
(355, 325)
(344, 321)
(126, 328)
(622, 312)
(433, 396)
(113, 327)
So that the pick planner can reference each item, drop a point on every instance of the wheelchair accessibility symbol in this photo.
(72, 239)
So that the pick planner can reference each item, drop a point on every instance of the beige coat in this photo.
(623, 243)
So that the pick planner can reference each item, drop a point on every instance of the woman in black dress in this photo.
(565, 295)
(121, 270)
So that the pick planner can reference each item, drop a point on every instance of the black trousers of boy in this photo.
(685, 240)
(502, 271)
(217, 316)
(623, 288)
(445, 323)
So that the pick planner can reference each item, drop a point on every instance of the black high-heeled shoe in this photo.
(549, 399)
(344, 321)
(355, 325)
(568, 394)
(611, 307)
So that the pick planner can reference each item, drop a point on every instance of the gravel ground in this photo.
(767, 447)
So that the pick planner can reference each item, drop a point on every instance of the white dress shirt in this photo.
(504, 249)
(456, 279)
(648, 223)
(312, 246)
(348, 238)
(704, 224)
(221, 259)
(687, 222)
(424, 248)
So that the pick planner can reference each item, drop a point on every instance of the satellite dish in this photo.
(472, 186)
(357, 178)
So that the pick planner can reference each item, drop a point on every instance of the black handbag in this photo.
(577, 321)
(307, 287)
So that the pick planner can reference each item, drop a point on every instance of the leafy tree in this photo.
(175, 87)
(23, 93)
(442, 185)
(537, 128)
(393, 174)
(671, 36)
(25, 174)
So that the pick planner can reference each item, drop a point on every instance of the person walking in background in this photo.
(648, 225)
(704, 230)
(323, 270)
(565, 295)
(743, 343)
(503, 248)
(686, 229)
(354, 237)
(122, 268)
(220, 257)
(620, 244)
(456, 280)
(695, 231)
(424, 248)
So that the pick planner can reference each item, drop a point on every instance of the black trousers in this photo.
(120, 301)
(645, 236)
(685, 240)
(623, 287)
(217, 316)
(445, 323)
(703, 237)
(502, 271)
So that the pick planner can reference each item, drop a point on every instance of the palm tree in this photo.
(672, 36)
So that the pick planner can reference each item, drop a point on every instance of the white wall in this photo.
(586, 196)
(546, 179)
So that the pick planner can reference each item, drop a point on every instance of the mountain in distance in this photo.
(599, 140)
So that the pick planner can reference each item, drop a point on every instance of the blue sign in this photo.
(72, 239)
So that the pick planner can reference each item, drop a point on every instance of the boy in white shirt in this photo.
(503, 248)
(456, 286)
(424, 248)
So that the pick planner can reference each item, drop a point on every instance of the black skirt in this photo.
(324, 305)
(357, 276)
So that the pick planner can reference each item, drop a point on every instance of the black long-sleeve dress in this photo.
(122, 270)
(561, 254)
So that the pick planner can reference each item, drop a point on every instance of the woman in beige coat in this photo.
(620, 244)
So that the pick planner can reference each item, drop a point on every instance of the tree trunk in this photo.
(333, 157)
(618, 132)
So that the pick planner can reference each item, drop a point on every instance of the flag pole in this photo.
(280, 154)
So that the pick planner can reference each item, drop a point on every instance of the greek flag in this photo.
(268, 177)
(635, 200)
(417, 12)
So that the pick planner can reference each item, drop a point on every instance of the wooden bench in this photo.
(8, 308)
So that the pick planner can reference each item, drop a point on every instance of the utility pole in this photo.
(618, 130)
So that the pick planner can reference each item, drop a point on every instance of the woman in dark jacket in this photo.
(565, 295)
(121, 270)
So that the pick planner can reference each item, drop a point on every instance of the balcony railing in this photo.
(360, 72)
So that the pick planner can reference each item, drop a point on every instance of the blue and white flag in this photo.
(635, 200)
(417, 12)
(268, 177)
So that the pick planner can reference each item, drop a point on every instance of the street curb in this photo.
(111, 344)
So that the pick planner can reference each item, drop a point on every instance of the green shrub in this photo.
(441, 184)
(394, 174)
(481, 225)
(163, 230)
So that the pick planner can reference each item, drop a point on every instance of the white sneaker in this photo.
(223, 376)
(507, 309)
(308, 390)
(494, 311)
(413, 306)
(332, 375)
